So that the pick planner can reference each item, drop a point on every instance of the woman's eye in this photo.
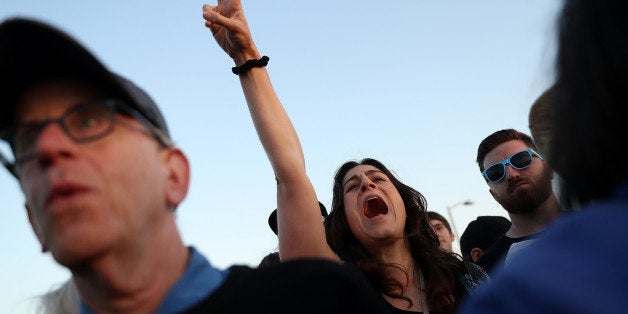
(352, 187)
(379, 179)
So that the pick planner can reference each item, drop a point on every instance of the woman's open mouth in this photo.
(375, 206)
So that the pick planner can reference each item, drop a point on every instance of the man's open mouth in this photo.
(375, 206)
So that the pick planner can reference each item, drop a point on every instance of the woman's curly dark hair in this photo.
(440, 269)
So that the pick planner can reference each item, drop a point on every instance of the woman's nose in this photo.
(367, 184)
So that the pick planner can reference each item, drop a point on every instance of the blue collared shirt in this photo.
(199, 281)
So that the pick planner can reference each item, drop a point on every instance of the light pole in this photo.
(451, 218)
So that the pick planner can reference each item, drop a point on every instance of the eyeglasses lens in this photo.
(495, 172)
(521, 160)
(88, 122)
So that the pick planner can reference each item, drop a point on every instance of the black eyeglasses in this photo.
(84, 122)
(519, 160)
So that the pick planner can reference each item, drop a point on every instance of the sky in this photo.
(415, 84)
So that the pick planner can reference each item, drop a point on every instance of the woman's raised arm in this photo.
(301, 232)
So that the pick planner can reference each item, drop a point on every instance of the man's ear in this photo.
(178, 176)
(475, 253)
(36, 228)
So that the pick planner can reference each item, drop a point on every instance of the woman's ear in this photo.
(178, 176)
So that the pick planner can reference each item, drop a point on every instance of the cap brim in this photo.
(272, 218)
(272, 221)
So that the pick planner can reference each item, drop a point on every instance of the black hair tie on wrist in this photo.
(252, 63)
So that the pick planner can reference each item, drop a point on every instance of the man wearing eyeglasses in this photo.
(521, 181)
(102, 179)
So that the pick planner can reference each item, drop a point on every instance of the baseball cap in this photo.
(272, 219)
(32, 51)
(483, 232)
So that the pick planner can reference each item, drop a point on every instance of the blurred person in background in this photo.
(578, 265)
(443, 231)
(480, 234)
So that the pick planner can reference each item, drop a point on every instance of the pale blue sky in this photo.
(416, 84)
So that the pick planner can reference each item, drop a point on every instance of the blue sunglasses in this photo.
(519, 160)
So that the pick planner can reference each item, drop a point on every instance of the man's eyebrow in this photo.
(355, 176)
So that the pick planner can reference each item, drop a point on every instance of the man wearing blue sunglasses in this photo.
(521, 181)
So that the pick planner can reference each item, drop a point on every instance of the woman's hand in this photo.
(230, 29)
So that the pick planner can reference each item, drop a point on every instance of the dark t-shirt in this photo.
(299, 286)
(496, 254)
(472, 278)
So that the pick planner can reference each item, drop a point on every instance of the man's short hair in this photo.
(436, 216)
(498, 138)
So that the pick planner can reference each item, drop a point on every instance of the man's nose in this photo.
(51, 142)
(511, 173)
